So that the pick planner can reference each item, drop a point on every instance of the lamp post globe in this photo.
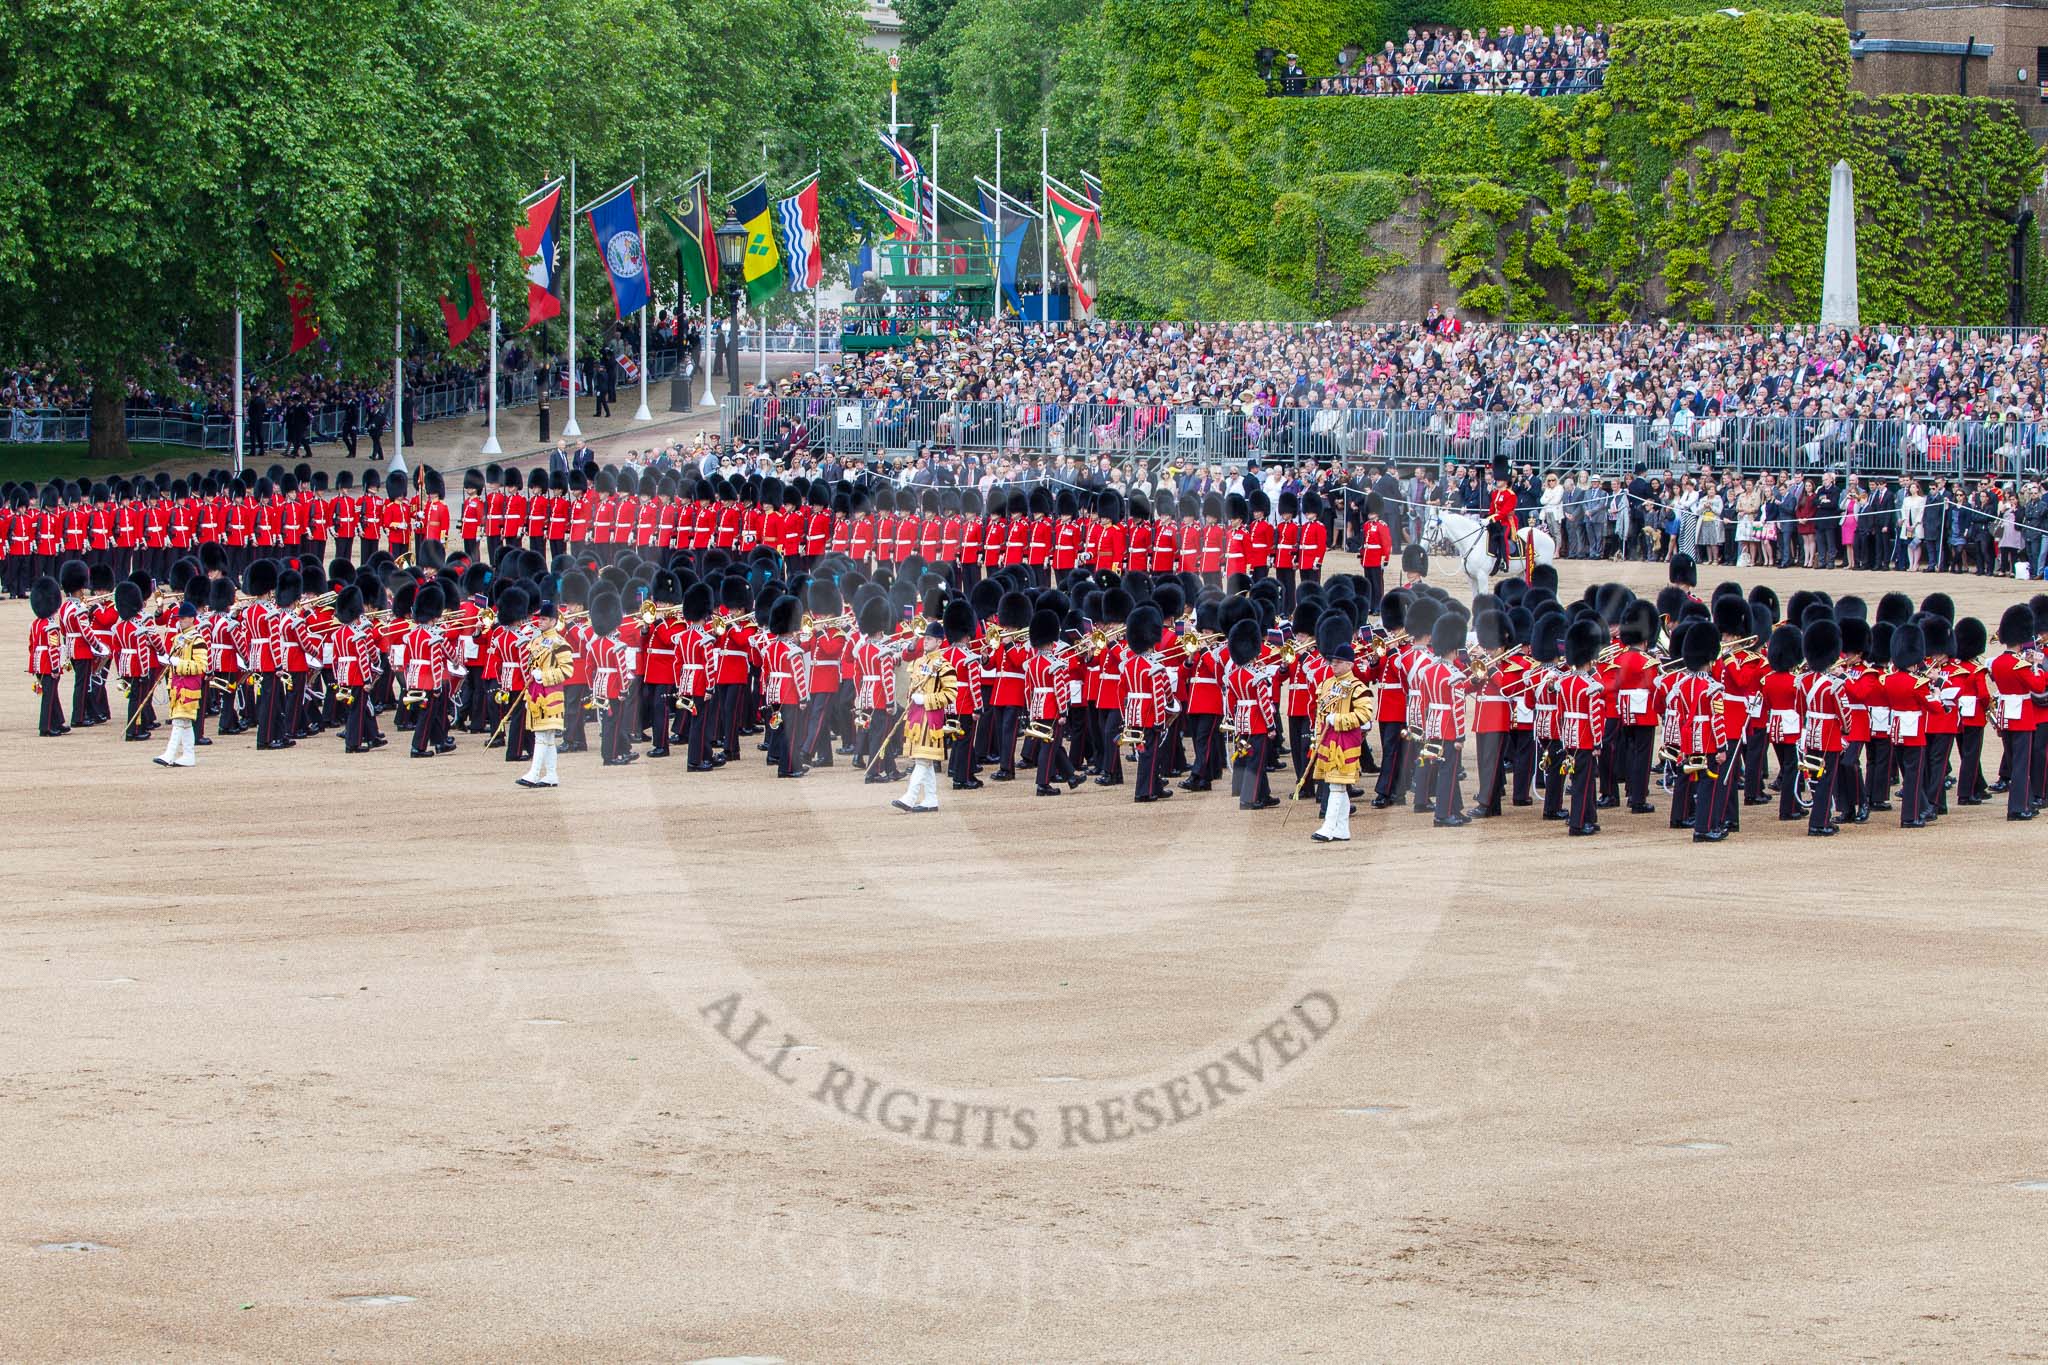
(732, 255)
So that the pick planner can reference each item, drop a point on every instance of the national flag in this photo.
(305, 330)
(475, 309)
(905, 219)
(906, 164)
(1071, 222)
(629, 367)
(796, 220)
(689, 223)
(538, 240)
(1009, 248)
(762, 269)
(615, 223)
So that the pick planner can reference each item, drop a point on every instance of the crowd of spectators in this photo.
(1725, 397)
(1567, 60)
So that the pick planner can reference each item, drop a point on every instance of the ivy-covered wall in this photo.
(1694, 183)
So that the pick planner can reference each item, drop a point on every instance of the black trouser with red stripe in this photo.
(50, 718)
(1788, 778)
(1150, 783)
(1913, 797)
(1248, 773)
(1584, 811)
(141, 704)
(430, 722)
(1450, 800)
(657, 702)
(1204, 730)
(1934, 781)
(1519, 757)
(1492, 749)
(1821, 813)
(1394, 768)
(1877, 783)
(1849, 781)
(2019, 752)
(960, 758)
(1554, 781)
(1970, 764)
(1053, 763)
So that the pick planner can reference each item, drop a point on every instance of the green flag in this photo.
(688, 220)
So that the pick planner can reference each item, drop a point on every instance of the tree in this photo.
(159, 150)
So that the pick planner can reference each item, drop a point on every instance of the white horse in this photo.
(1464, 538)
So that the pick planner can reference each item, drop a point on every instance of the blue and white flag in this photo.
(615, 223)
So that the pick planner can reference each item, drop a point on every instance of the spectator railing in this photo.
(1603, 445)
(1541, 84)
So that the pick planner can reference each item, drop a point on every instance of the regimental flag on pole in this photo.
(1070, 221)
(762, 270)
(902, 217)
(1009, 248)
(688, 220)
(474, 311)
(615, 223)
(305, 331)
(906, 164)
(539, 238)
(796, 221)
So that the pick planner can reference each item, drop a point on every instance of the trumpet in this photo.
(1132, 739)
(1194, 642)
(1486, 662)
(1699, 765)
(1039, 730)
(1433, 751)
(720, 625)
(1293, 645)
(1383, 645)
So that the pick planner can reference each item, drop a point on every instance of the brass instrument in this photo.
(1293, 645)
(1567, 763)
(1039, 730)
(1131, 739)
(1432, 751)
(719, 624)
(1195, 642)
(1383, 645)
(1700, 765)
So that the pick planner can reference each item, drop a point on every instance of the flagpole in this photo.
(491, 446)
(398, 375)
(1044, 223)
(647, 267)
(935, 196)
(709, 293)
(998, 262)
(569, 428)
(238, 379)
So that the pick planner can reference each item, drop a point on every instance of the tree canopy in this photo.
(159, 150)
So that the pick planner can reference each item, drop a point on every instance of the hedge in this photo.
(1694, 183)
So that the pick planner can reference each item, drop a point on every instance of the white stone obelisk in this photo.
(1838, 272)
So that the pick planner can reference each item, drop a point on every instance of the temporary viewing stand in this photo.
(937, 285)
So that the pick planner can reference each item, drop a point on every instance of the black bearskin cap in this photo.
(1583, 642)
(1333, 636)
(1821, 645)
(1782, 650)
(1971, 638)
(606, 611)
(1909, 647)
(1244, 640)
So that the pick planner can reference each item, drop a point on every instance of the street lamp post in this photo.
(732, 255)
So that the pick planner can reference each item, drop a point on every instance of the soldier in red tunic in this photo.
(46, 655)
(1706, 740)
(1581, 724)
(1248, 713)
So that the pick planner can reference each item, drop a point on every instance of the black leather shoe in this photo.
(1644, 809)
(1050, 791)
(1452, 821)
(1711, 837)
(1825, 831)
(1382, 802)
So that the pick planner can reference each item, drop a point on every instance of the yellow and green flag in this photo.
(762, 270)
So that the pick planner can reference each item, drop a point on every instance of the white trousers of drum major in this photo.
(1336, 826)
(542, 770)
(179, 751)
(923, 791)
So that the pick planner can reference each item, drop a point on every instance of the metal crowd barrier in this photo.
(1602, 445)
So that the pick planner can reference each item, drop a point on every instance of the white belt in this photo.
(1439, 706)
(1749, 704)
(1578, 715)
